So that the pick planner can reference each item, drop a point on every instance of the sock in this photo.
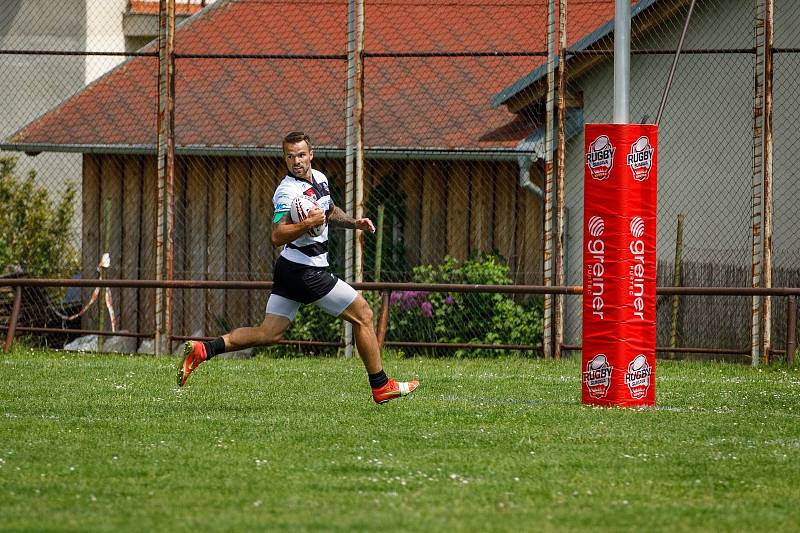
(378, 379)
(215, 347)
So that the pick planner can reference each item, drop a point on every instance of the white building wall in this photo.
(705, 142)
(33, 84)
(104, 34)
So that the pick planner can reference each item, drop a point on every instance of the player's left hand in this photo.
(365, 224)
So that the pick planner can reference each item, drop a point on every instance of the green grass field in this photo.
(93, 443)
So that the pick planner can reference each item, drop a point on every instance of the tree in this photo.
(34, 229)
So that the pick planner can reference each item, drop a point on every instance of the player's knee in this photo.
(367, 313)
(268, 335)
(271, 330)
(358, 313)
(363, 313)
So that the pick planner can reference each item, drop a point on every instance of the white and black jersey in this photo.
(300, 275)
(305, 250)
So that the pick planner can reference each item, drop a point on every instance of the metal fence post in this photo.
(756, 205)
(354, 158)
(791, 329)
(166, 156)
(547, 341)
(561, 174)
(766, 322)
(12, 323)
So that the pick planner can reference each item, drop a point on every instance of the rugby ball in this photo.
(299, 209)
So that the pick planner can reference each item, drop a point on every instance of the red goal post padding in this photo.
(619, 265)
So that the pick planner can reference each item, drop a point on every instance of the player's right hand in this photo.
(315, 217)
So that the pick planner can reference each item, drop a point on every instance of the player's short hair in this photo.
(295, 137)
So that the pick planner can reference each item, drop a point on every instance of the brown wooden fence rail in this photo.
(790, 293)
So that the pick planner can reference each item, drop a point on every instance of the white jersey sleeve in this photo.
(282, 199)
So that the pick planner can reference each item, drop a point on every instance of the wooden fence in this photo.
(223, 212)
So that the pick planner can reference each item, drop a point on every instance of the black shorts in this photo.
(301, 283)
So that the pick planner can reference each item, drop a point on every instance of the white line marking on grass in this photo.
(480, 400)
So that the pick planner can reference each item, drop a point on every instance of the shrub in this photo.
(440, 317)
(34, 230)
(312, 323)
(465, 317)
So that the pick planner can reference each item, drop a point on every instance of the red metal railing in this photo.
(790, 293)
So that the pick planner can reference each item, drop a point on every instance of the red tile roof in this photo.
(429, 102)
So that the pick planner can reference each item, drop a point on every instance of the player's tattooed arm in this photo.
(340, 219)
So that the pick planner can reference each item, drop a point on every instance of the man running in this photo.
(301, 277)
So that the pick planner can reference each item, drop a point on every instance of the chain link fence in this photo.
(449, 101)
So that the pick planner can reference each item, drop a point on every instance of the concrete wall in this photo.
(32, 85)
(104, 34)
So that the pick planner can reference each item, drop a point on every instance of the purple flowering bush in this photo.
(465, 317)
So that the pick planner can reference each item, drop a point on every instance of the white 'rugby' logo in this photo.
(638, 377)
(600, 157)
(597, 376)
(640, 158)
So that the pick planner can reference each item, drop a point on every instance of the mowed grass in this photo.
(98, 442)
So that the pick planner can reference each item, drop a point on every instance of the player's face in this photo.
(298, 158)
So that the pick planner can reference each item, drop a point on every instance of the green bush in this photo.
(465, 317)
(312, 323)
(35, 231)
(440, 317)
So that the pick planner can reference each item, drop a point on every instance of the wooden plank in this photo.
(264, 176)
(216, 229)
(411, 183)
(131, 237)
(536, 225)
(238, 239)
(179, 246)
(334, 169)
(90, 232)
(530, 266)
(280, 173)
(426, 219)
(147, 250)
(111, 175)
(388, 191)
(375, 172)
(505, 191)
(433, 219)
(194, 302)
(481, 203)
(458, 221)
